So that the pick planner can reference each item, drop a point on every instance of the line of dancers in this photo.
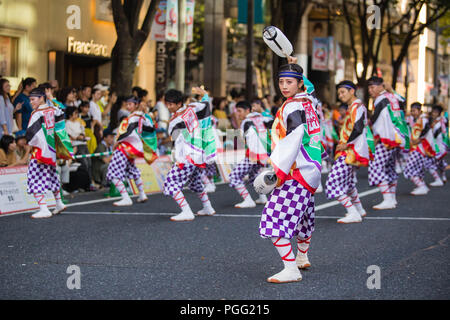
(291, 146)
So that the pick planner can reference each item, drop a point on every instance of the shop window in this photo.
(9, 56)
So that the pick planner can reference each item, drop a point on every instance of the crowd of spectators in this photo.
(93, 115)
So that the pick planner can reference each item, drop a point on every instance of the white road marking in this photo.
(318, 208)
(220, 215)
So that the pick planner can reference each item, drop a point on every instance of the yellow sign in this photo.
(88, 48)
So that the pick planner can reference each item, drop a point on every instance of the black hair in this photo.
(159, 95)
(28, 82)
(38, 91)
(46, 85)
(94, 90)
(83, 104)
(70, 111)
(277, 98)
(234, 93)
(114, 120)
(292, 67)
(416, 105)
(374, 80)
(346, 84)
(438, 108)
(244, 105)
(5, 141)
(173, 96)
(142, 93)
(63, 93)
(2, 93)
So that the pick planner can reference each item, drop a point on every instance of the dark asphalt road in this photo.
(138, 253)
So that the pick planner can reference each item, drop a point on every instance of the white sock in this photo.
(345, 201)
(204, 198)
(58, 199)
(140, 186)
(121, 188)
(303, 244)
(284, 249)
(354, 197)
(242, 190)
(181, 200)
(40, 198)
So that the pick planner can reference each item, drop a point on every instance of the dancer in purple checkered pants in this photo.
(352, 152)
(189, 123)
(253, 127)
(46, 122)
(132, 135)
(436, 165)
(296, 160)
(422, 150)
(390, 134)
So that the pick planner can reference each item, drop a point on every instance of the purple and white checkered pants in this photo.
(415, 165)
(341, 179)
(41, 178)
(177, 178)
(210, 170)
(382, 168)
(121, 168)
(433, 164)
(241, 170)
(288, 213)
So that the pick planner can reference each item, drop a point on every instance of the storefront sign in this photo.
(87, 48)
(161, 61)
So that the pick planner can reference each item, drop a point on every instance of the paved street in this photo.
(138, 253)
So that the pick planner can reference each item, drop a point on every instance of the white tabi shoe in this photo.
(352, 216)
(59, 208)
(437, 183)
(302, 260)
(185, 215)
(388, 202)
(207, 210)
(420, 191)
(124, 202)
(41, 214)
(142, 198)
(247, 203)
(286, 275)
(262, 199)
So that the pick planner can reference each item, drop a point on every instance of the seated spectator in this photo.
(100, 164)
(219, 111)
(23, 150)
(8, 156)
(77, 135)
